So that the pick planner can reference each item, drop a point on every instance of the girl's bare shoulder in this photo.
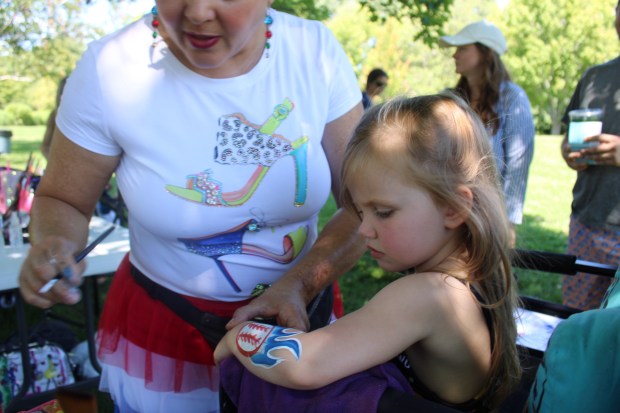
(422, 293)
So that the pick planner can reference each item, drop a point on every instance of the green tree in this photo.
(431, 14)
(304, 8)
(550, 44)
(40, 42)
(414, 66)
(16, 22)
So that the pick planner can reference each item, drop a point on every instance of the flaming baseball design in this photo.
(257, 342)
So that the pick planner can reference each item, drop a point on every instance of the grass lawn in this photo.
(25, 140)
(547, 215)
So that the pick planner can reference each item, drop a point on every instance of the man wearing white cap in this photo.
(502, 105)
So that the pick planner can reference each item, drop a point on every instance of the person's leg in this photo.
(586, 291)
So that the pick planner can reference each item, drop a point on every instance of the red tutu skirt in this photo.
(148, 341)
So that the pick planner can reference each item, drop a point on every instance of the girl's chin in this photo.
(391, 267)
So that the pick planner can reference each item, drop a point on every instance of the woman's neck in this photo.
(475, 88)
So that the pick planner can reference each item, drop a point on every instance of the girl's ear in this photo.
(454, 218)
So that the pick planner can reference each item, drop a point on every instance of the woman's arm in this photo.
(64, 201)
(518, 139)
(336, 250)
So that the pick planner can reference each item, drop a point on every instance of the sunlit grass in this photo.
(25, 140)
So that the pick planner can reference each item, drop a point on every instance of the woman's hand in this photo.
(283, 301)
(52, 256)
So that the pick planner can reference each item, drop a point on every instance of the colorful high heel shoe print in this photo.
(231, 242)
(240, 142)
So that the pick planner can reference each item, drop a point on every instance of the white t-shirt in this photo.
(223, 178)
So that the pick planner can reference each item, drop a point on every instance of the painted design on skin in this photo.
(257, 341)
(240, 142)
(231, 242)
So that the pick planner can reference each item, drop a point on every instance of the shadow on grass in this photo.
(533, 235)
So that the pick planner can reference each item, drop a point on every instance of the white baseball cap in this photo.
(479, 32)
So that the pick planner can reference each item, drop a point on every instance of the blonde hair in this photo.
(441, 145)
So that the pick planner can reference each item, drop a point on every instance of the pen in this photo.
(78, 257)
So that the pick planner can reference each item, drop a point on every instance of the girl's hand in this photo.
(221, 351)
(223, 348)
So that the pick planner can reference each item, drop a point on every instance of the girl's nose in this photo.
(365, 229)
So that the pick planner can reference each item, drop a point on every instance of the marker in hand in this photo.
(78, 257)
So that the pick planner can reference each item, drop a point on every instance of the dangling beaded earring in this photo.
(268, 34)
(155, 24)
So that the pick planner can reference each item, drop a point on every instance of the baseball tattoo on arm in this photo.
(257, 341)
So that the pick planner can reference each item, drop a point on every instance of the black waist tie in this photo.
(213, 327)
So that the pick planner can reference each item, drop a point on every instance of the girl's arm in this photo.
(398, 316)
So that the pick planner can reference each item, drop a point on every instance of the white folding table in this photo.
(103, 260)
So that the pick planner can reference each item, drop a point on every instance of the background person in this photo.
(439, 220)
(502, 105)
(594, 232)
(224, 157)
(376, 82)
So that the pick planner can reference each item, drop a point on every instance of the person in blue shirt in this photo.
(502, 105)
(376, 83)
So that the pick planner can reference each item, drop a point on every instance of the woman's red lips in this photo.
(202, 42)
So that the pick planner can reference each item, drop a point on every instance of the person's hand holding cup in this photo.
(584, 123)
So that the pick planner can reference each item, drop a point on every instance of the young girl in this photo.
(420, 175)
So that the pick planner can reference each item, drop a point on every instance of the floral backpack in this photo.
(49, 363)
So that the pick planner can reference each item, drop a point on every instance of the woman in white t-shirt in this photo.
(225, 123)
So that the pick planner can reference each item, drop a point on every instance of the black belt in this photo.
(213, 327)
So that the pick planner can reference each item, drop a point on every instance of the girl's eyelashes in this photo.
(379, 213)
(383, 213)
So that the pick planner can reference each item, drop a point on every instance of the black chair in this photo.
(547, 262)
